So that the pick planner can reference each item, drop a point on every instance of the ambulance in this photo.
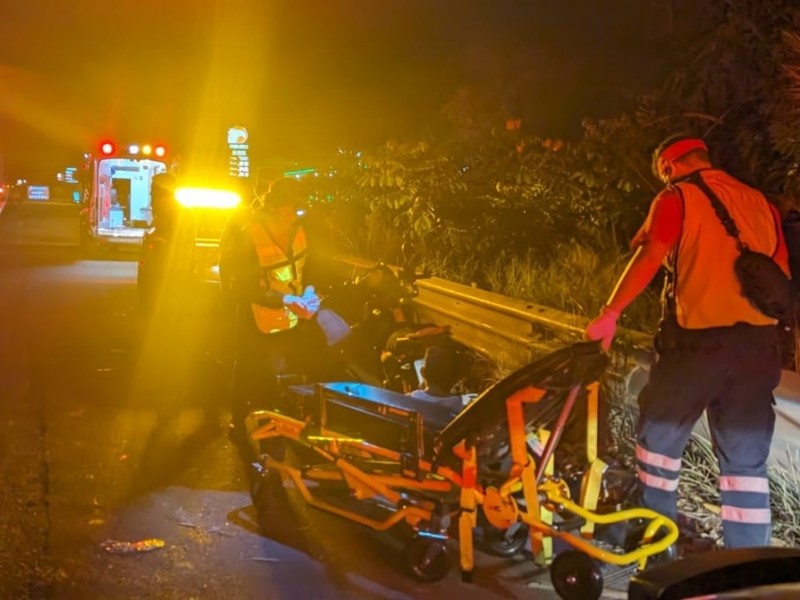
(117, 205)
(116, 193)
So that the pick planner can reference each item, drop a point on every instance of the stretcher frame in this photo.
(428, 494)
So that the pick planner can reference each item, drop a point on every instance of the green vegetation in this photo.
(482, 200)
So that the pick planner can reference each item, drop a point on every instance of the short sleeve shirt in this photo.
(665, 220)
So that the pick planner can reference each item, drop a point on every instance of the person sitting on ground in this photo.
(443, 370)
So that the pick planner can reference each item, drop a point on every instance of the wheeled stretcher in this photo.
(380, 459)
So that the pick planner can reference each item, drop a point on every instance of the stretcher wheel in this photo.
(575, 576)
(427, 559)
(505, 542)
(667, 556)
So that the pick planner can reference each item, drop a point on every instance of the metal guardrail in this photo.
(511, 331)
(514, 332)
(507, 328)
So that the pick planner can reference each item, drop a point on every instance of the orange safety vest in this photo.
(280, 272)
(707, 292)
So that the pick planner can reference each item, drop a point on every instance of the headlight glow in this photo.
(207, 198)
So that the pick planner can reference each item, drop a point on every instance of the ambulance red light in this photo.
(107, 148)
(160, 151)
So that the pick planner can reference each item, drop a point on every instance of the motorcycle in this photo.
(386, 344)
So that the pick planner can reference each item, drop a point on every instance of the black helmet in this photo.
(265, 177)
(285, 191)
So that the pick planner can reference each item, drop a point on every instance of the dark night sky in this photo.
(303, 76)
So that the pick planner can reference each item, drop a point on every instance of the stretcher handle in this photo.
(555, 436)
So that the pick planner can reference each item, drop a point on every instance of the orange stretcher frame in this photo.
(530, 493)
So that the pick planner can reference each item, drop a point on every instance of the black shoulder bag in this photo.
(763, 282)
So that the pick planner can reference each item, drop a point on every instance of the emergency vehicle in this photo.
(211, 208)
(116, 195)
(117, 209)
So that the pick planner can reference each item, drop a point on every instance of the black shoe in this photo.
(689, 545)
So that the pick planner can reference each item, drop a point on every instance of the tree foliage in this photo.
(481, 186)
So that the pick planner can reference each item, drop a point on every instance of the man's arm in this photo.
(658, 235)
(638, 274)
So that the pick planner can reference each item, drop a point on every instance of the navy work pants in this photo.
(729, 372)
(261, 358)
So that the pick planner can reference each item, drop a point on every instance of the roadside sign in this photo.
(239, 161)
(38, 192)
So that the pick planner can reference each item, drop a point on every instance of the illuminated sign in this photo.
(69, 175)
(237, 135)
(238, 161)
(38, 192)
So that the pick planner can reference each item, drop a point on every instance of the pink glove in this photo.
(603, 327)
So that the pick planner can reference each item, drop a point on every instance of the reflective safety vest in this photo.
(280, 272)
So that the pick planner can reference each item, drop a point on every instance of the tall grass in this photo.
(784, 485)
(574, 279)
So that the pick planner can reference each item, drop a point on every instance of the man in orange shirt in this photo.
(716, 351)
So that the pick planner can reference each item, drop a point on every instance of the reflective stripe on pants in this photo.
(729, 373)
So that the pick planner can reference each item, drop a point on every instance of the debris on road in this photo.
(118, 547)
(221, 531)
(265, 559)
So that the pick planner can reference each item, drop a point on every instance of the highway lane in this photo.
(92, 450)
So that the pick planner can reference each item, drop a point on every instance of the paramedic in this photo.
(266, 258)
(716, 352)
(166, 260)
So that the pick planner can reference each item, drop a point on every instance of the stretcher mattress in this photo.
(380, 417)
(425, 430)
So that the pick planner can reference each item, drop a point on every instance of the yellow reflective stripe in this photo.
(284, 274)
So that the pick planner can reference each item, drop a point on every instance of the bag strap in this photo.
(668, 301)
(719, 208)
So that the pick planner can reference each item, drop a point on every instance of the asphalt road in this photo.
(94, 448)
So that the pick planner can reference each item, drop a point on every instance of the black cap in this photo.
(284, 191)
